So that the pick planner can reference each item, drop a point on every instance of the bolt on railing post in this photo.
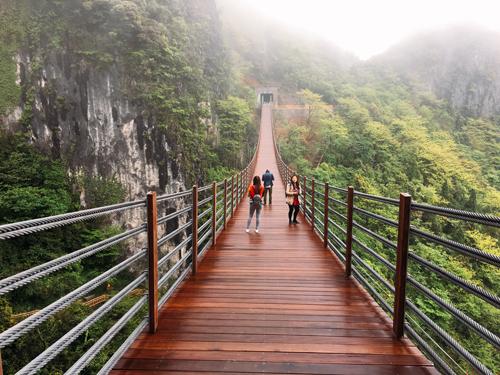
(225, 203)
(401, 264)
(232, 195)
(194, 231)
(325, 215)
(214, 213)
(152, 227)
(348, 249)
(313, 199)
(305, 197)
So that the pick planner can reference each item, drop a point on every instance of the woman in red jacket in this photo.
(255, 192)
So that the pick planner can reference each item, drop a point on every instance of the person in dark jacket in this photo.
(267, 179)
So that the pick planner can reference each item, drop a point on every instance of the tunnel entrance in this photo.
(266, 98)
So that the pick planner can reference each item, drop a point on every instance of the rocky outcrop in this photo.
(81, 115)
(460, 65)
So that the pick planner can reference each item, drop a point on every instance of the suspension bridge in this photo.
(291, 299)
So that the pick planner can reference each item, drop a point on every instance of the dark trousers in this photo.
(268, 191)
(293, 209)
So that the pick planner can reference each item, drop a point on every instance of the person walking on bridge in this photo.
(255, 192)
(293, 199)
(267, 179)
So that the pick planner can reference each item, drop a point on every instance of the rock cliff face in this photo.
(460, 65)
(102, 81)
(80, 115)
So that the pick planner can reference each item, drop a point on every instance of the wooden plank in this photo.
(209, 321)
(269, 367)
(277, 347)
(273, 302)
(258, 330)
(282, 357)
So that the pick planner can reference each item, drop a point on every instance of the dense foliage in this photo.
(173, 68)
(383, 138)
(365, 125)
(168, 55)
(409, 121)
(32, 185)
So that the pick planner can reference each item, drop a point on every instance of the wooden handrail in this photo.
(401, 265)
(313, 199)
(325, 216)
(305, 197)
(194, 231)
(214, 213)
(152, 225)
(225, 202)
(232, 195)
(348, 252)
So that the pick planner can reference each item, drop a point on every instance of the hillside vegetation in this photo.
(421, 119)
(170, 64)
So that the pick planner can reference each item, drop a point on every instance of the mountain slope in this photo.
(460, 65)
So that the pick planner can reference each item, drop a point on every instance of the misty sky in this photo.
(368, 27)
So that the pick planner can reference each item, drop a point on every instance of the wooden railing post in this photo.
(1, 366)
(152, 226)
(194, 231)
(401, 264)
(225, 203)
(325, 215)
(348, 241)
(237, 188)
(232, 195)
(313, 199)
(305, 197)
(214, 213)
(242, 182)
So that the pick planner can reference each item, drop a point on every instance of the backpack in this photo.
(257, 201)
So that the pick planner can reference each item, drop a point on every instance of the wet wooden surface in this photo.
(274, 302)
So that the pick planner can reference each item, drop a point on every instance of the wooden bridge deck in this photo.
(273, 302)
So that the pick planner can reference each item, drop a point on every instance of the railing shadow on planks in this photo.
(208, 210)
(334, 215)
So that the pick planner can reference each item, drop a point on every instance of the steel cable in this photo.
(53, 350)
(85, 359)
(25, 277)
(8, 231)
(13, 333)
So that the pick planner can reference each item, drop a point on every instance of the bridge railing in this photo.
(376, 250)
(204, 214)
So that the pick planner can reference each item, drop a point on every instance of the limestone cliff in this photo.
(111, 87)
